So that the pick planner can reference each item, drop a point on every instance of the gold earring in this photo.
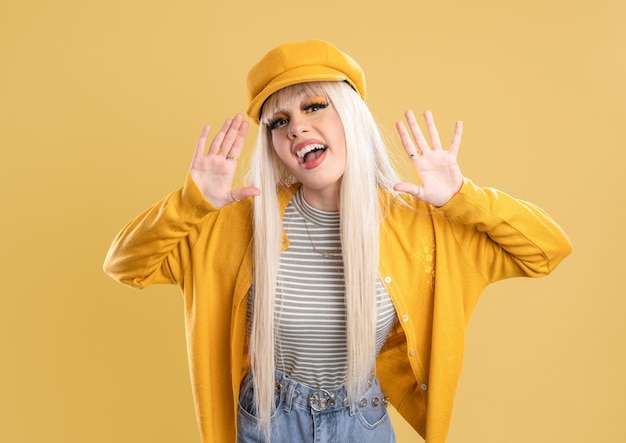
(289, 179)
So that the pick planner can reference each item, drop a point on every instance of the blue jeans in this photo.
(307, 415)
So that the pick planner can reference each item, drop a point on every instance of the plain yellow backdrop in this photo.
(101, 102)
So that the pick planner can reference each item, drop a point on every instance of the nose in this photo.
(297, 125)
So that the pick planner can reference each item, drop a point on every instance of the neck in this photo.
(326, 199)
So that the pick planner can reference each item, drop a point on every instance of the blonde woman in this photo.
(328, 288)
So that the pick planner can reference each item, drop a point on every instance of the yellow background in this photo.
(101, 102)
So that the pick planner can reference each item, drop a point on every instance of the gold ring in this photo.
(232, 157)
(232, 195)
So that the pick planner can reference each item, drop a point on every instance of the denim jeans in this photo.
(307, 415)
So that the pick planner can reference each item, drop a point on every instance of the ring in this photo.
(414, 154)
(232, 195)
(232, 157)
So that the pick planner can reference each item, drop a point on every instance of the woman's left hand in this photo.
(439, 174)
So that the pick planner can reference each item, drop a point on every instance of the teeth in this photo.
(308, 148)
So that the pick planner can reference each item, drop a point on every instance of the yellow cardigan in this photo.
(435, 262)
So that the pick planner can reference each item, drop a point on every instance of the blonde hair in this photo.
(368, 170)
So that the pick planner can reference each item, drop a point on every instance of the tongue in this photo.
(309, 157)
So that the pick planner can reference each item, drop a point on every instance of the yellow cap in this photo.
(300, 62)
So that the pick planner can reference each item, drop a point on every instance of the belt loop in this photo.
(288, 392)
(352, 406)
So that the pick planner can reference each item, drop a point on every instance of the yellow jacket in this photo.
(435, 262)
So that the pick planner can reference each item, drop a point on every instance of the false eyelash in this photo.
(321, 105)
(273, 124)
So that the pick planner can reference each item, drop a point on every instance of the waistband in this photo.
(318, 400)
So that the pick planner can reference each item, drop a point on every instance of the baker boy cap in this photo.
(300, 62)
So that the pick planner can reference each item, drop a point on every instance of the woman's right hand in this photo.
(214, 170)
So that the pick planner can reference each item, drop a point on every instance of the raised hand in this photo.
(438, 173)
(214, 170)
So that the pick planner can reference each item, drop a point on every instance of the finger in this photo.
(432, 131)
(422, 144)
(231, 135)
(237, 147)
(241, 193)
(219, 138)
(201, 143)
(409, 188)
(405, 138)
(456, 138)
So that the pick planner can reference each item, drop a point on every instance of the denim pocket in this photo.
(372, 408)
(246, 402)
(373, 417)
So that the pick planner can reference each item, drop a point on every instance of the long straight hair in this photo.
(368, 171)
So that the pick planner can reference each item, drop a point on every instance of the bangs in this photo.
(285, 97)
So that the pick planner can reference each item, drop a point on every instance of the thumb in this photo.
(241, 193)
(409, 188)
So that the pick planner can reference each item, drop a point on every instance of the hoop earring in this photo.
(289, 179)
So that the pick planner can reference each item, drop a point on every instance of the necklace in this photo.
(325, 254)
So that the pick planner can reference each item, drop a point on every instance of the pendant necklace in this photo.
(325, 254)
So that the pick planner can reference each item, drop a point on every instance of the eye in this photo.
(276, 123)
(316, 106)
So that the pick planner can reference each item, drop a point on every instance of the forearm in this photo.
(148, 249)
(521, 239)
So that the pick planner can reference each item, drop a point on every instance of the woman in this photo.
(328, 287)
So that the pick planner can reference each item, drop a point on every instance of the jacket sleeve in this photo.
(520, 240)
(153, 247)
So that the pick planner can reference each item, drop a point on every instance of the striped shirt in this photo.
(310, 310)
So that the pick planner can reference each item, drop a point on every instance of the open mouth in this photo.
(311, 152)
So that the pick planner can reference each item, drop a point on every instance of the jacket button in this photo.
(412, 352)
(423, 386)
(405, 318)
(388, 279)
